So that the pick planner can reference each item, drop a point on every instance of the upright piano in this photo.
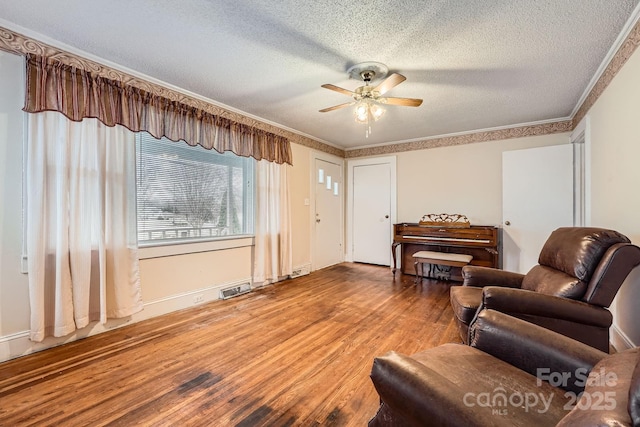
(480, 241)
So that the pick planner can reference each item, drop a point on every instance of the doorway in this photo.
(372, 210)
(327, 221)
(537, 198)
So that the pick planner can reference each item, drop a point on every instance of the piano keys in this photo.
(482, 242)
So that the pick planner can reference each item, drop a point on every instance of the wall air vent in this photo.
(235, 291)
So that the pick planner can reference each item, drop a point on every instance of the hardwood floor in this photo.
(295, 353)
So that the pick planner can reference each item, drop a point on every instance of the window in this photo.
(190, 193)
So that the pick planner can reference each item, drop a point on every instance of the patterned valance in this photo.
(77, 93)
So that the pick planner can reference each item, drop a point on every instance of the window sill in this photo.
(182, 248)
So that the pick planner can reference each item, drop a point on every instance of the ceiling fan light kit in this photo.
(366, 110)
(368, 99)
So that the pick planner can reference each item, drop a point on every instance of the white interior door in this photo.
(328, 214)
(537, 198)
(371, 214)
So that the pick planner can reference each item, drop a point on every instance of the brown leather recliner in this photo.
(513, 373)
(579, 273)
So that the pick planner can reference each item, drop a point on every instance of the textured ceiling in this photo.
(477, 64)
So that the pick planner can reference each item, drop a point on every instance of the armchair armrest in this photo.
(484, 276)
(421, 395)
(534, 349)
(524, 302)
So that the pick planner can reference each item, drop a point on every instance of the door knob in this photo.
(507, 223)
(386, 216)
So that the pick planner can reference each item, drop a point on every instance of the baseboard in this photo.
(184, 300)
(301, 270)
(619, 340)
(18, 344)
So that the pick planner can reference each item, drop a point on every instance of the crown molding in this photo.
(460, 134)
(623, 54)
(624, 46)
(466, 138)
(618, 48)
(18, 43)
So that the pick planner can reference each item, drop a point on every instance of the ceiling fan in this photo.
(367, 97)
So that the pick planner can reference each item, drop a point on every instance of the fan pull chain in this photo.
(368, 129)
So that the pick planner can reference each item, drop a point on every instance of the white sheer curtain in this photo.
(273, 256)
(81, 243)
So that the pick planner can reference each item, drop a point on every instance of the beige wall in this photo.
(300, 184)
(464, 179)
(615, 180)
(14, 302)
(178, 274)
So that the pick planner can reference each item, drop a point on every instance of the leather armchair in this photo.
(513, 373)
(579, 273)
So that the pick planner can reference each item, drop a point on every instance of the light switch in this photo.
(306, 202)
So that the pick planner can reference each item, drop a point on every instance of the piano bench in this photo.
(439, 258)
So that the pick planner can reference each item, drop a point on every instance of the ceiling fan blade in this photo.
(338, 89)
(405, 102)
(337, 107)
(389, 83)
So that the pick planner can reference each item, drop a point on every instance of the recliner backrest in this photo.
(615, 266)
(568, 260)
(578, 250)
